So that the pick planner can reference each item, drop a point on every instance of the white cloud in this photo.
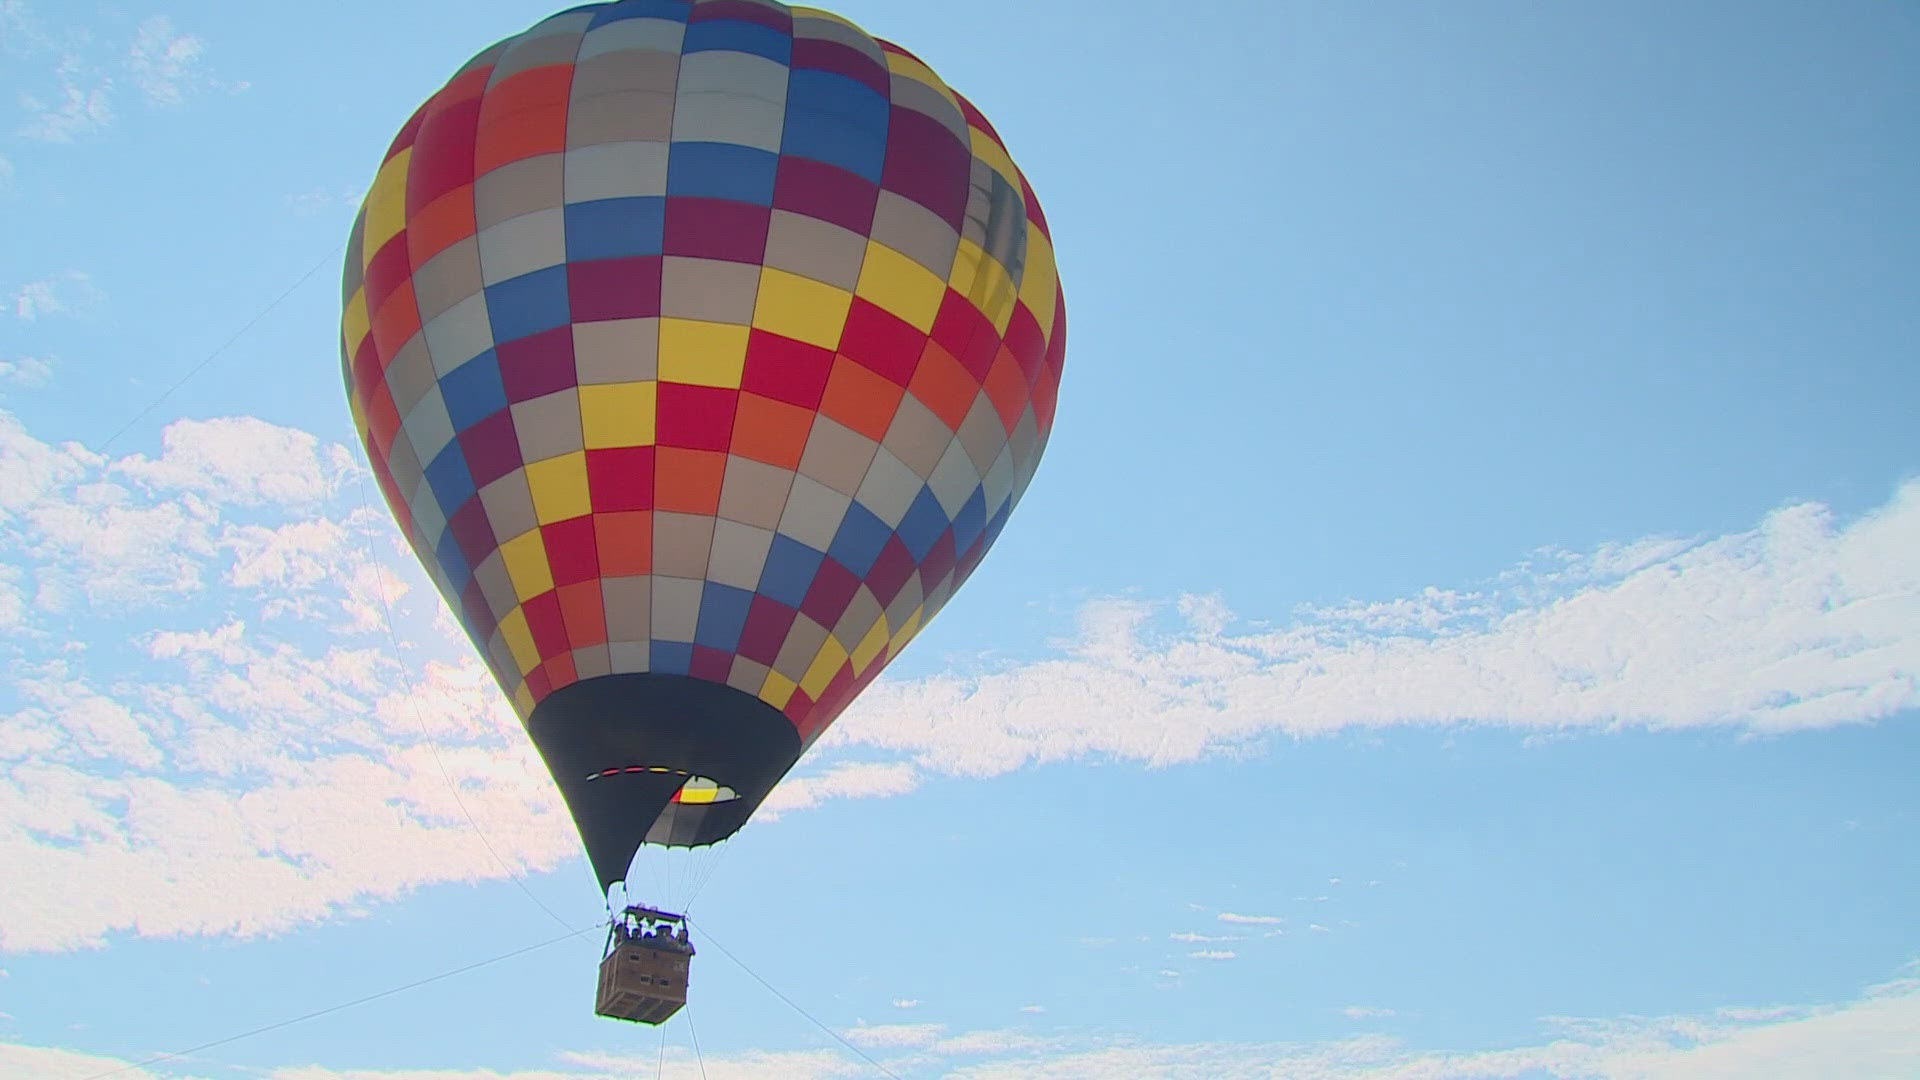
(894, 1036)
(165, 63)
(1366, 1012)
(906, 1003)
(1212, 954)
(244, 460)
(1196, 939)
(1873, 1037)
(1033, 1008)
(1249, 920)
(27, 370)
(71, 293)
(82, 104)
(1797, 625)
(857, 780)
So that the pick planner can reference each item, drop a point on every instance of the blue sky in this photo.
(1467, 623)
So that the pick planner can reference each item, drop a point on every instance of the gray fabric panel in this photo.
(628, 656)
(999, 480)
(496, 585)
(918, 96)
(447, 278)
(889, 488)
(676, 607)
(523, 244)
(711, 290)
(747, 675)
(485, 57)
(403, 464)
(739, 554)
(549, 425)
(916, 232)
(836, 455)
(646, 70)
(1025, 439)
(501, 657)
(410, 373)
(623, 116)
(428, 426)
(917, 436)
(682, 546)
(517, 188)
(981, 434)
(592, 662)
(539, 47)
(954, 479)
(459, 334)
(728, 118)
(813, 513)
(900, 608)
(754, 492)
(724, 71)
(831, 30)
(616, 350)
(353, 265)
(509, 505)
(854, 623)
(429, 523)
(803, 642)
(616, 170)
(664, 35)
(816, 249)
(629, 602)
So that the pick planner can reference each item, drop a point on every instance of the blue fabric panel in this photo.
(739, 36)
(859, 540)
(453, 563)
(922, 526)
(789, 572)
(616, 228)
(721, 171)
(670, 657)
(970, 521)
(473, 391)
(723, 614)
(452, 484)
(677, 10)
(528, 304)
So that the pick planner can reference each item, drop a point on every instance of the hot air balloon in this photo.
(701, 349)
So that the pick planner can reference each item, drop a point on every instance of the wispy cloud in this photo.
(1876, 1035)
(1367, 1012)
(1212, 954)
(26, 371)
(164, 63)
(1249, 920)
(72, 293)
(87, 71)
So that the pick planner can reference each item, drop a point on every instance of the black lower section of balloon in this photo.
(669, 721)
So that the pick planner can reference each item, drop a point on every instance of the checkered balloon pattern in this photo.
(710, 338)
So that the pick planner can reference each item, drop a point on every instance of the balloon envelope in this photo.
(701, 350)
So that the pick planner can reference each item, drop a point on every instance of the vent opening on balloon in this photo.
(698, 790)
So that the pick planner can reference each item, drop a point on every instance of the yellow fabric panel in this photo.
(692, 795)
(801, 308)
(526, 559)
(815, 13)
(870, 646)
(919, 72)
(826, 664)
(702, 353)
(355, 325)
(778, 690)
(1040, 283)
(522, 700)
(901, 286)
(982, 279)
(990, 152)
(559, 487)
(905, 634)
(617, 414)
(520, 640)
(386, 205)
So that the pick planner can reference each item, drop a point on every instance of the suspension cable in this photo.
(864, 1056)
(302, 1018)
